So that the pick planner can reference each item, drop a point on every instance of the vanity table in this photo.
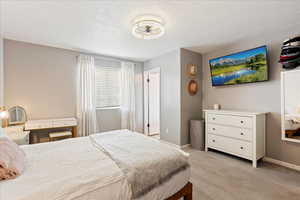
(51, 125)
(21, 131)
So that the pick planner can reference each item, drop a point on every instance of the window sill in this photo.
(109, 108)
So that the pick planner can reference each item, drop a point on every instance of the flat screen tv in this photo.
(244, 67)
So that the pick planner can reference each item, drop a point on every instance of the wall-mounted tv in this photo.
(244, 67)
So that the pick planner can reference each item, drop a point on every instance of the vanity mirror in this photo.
(290, 105)
(17, 115)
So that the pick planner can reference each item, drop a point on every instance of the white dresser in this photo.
(238, 133)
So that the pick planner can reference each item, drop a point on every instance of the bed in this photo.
(106, 166)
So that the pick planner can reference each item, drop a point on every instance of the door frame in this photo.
(146, 98)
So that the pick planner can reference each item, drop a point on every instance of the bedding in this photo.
(161, 192)
(145, 162)
(76, 169)
(12, 159)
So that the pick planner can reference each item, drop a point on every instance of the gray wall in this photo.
(139, 97)
(191, 106)
(43, 80)
(263, 96)
(170, 94)
(177, 106)
(110, 119)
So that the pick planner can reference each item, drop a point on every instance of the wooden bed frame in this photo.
(186, 192)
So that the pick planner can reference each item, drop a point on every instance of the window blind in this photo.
(108, 83)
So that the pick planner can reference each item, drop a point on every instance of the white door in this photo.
(152, 101)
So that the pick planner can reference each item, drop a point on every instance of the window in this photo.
(108, 83)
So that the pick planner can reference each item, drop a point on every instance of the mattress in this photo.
(73, 169)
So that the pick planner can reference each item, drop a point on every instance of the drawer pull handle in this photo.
(242, 122)
(213, 140)
(214, 129)
(242, 133)
(214, 118)
(242, 147)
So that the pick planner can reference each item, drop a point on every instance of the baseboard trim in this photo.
(281, 163)
(176, 145)
(185, 146)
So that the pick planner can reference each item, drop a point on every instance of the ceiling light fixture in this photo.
(148, 27)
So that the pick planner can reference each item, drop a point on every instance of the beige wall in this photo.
(263, 96)
(1, 60)
(43, 80)
(1, 73)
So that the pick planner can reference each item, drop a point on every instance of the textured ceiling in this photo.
(104, 27)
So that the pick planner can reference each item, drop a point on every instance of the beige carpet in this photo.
(218, 176)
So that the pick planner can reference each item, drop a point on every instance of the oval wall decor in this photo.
(192, 87)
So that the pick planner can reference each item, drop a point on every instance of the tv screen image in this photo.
(244, 67)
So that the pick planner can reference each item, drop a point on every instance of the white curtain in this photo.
(86, 108)
(127, 96)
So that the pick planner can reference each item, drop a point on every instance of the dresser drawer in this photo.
(230, 145)
(244, 122)
(229, 131)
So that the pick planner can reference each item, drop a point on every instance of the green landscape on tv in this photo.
(243, 67)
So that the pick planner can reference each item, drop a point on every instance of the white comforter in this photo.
(64, 170)
(146, 162)
(75, 169)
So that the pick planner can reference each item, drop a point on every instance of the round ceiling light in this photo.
(148, 27)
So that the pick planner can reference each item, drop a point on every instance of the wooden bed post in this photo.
(189, 195)
(186, 192)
